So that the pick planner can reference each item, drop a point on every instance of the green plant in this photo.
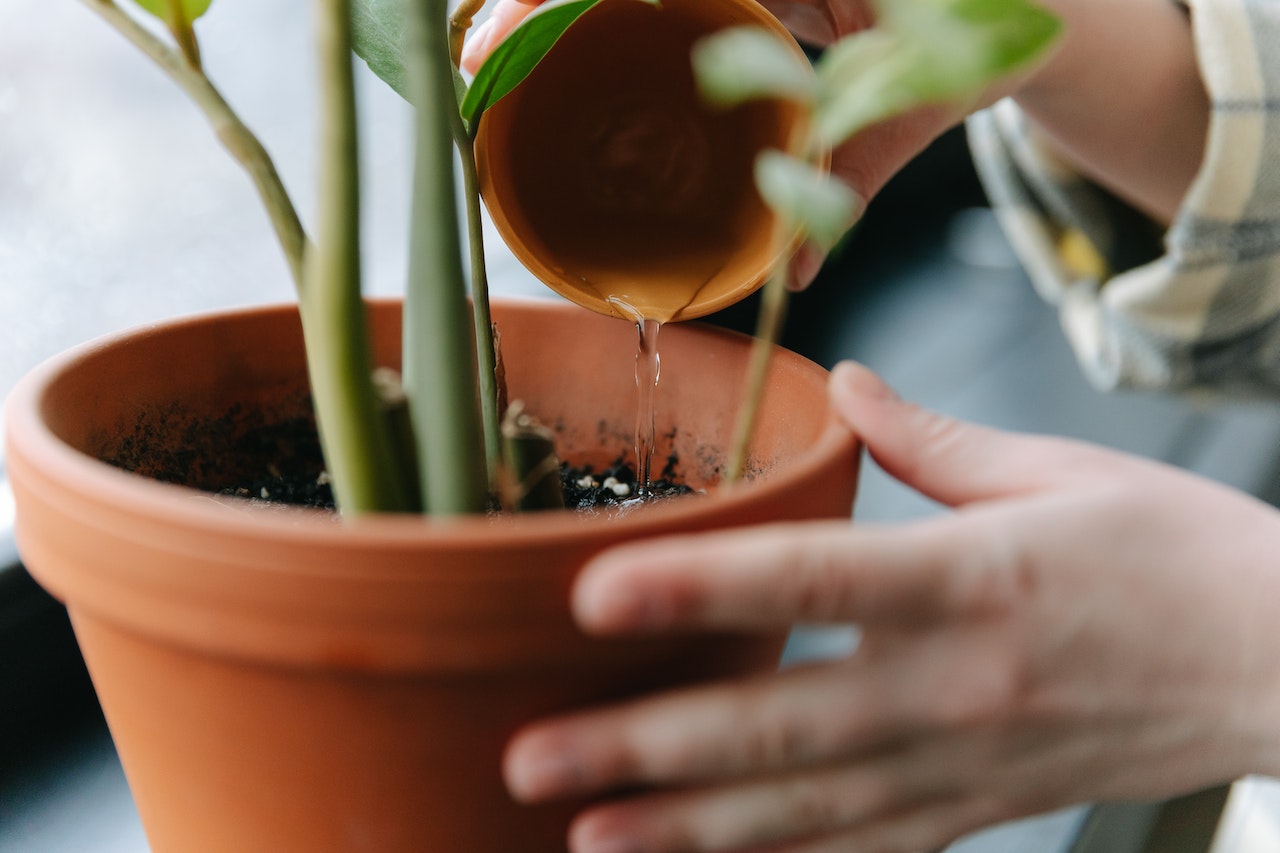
(920, 52)
(449, 374)
(452, 455)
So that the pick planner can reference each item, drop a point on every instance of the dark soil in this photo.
(615, 486)
(584, 488)
(290, 470)
(278, 458)
(296, 489)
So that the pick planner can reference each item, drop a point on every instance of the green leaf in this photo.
(378, 38)
(824, 207)
(188, 10)
(743, 63)
(862, 79)
(520, 52)
(977, 39)
(459, 87)
(925, 52)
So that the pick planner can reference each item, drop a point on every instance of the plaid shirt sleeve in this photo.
(1194, 307)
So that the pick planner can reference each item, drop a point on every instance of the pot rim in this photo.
(28, 437)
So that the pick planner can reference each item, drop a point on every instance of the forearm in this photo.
(1123, 100)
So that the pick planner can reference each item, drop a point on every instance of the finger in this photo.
(954, 462)
(803, 718)
(820, 22)
(760, 813)
(698, 734)
(927, 826)
(875, 154)
(808, 20)
(504, 17)
(806, 263)
(772, 576)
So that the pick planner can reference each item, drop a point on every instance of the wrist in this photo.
(1122, 65)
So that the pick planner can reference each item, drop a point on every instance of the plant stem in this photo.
(439, 343)
(234, 135)
(459, 23)
(481, 314)
(464, 139)
(357, 444)
(185, 35)
(773, 312)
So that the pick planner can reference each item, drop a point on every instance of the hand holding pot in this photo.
(1085, 625)
(817, 22)
(616, 182)
(1072, 97)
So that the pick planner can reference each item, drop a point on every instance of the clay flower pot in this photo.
(277, 679)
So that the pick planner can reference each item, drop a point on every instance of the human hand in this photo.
(821, 22)
(817, 22)
(504, 16)
(1084, 625)
(865, 163)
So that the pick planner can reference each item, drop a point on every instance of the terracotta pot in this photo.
(278, 680)
(607, 173)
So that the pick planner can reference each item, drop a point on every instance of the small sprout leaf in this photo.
(976, 40)
(178, 16)
(459, 86)
(186, 10)
(861, 81)
(822, 206)
(925, 52)
(744, 63)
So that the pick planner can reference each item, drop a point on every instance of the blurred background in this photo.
(118, 207)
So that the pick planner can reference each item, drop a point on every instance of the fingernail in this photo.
(859, 207)
(861, 381)
(805, 266)
(601, 602)
(541, 774)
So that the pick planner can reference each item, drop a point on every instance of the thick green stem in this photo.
(357, 443)
(233, 133)
(439, 343)
(482, 316)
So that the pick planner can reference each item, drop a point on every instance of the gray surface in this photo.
(73, 800)
(117, 208)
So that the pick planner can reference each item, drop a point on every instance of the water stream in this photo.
(648, 369)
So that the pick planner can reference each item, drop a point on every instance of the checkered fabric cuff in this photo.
(1194, 307)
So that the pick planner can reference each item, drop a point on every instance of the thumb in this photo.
(945, 459)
